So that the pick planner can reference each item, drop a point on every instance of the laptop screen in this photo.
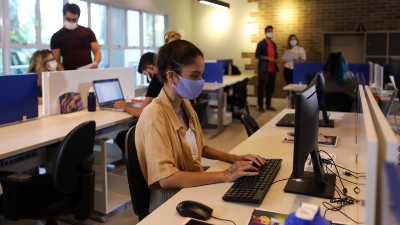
(108, 91)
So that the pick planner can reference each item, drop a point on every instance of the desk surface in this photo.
(227, 81)
(45, 130)
(294, 87)
(268, 142)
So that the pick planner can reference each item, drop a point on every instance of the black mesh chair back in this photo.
(140, 192)
(340, 102)
(239, 98)
(201, 108)
(74, 157)
(250, 124)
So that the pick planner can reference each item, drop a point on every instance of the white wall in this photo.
(220, 34)
(224, 34)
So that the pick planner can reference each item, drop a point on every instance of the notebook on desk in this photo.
(108, 92)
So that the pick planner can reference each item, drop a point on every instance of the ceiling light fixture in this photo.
(215, 3)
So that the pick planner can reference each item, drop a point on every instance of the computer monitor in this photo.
(319, 82)
(316, 183)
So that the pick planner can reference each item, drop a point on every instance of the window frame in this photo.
(6, 45)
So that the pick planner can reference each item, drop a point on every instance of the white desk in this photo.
(267, 142)
(111, 190)
(218, 88)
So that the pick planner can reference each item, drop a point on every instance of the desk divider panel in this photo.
(57, 83)
(18, 98)
(213, 72)
(301, 70)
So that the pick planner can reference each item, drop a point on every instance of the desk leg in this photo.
(220, 113)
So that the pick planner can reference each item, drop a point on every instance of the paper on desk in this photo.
(88, 66)
(333, 115)
(290, 56)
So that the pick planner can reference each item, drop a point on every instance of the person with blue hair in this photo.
(338, 78)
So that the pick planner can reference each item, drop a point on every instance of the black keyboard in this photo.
(252, 189)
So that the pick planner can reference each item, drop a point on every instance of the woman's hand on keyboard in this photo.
(240, 169)
(258, 160)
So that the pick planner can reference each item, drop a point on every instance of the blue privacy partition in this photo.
(301, 70)
(18, 98)
(213, 72)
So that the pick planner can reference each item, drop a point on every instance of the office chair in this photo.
(239, 98)
(69, 189)
(250, 124)
(140, 192)
(336, 101)
(201, 108)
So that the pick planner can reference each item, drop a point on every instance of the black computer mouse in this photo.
(194, 209)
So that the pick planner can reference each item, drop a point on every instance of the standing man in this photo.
(74, 43)
(266, 53)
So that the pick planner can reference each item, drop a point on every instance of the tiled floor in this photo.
(233, 134)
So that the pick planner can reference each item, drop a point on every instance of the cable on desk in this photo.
(338, 174)
(223, 219)
(338, 209)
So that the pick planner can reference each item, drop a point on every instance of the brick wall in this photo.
(310, 19)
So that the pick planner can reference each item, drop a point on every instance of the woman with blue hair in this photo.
(338, 78)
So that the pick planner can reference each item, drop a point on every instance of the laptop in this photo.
(108, 91)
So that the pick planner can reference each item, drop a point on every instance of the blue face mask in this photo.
(189, 89)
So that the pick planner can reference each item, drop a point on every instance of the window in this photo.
(118, 27)
(133, 28)
(32, 23)
(51, 21)
(22, 21)
(99, 22)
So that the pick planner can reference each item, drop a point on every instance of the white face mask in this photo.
(293, 43)
(53, 65)
(270, 35)
(70, 26)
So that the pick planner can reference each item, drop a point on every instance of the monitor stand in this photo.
(331, 123)
(310, 187)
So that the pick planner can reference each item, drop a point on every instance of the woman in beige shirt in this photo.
(169, 139)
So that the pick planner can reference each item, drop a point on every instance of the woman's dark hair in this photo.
(72, 8)
(175, 55)
(336, 68)
(288, 41)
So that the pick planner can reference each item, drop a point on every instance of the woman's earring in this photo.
(173, 99)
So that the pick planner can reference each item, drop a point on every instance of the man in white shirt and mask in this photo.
(74, 43)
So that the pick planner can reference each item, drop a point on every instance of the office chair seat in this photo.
(139, 190)
(250, 124)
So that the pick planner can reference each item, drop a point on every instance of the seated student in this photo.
(169, 139)
(41, 61)
(146, 67)
(338, 78)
